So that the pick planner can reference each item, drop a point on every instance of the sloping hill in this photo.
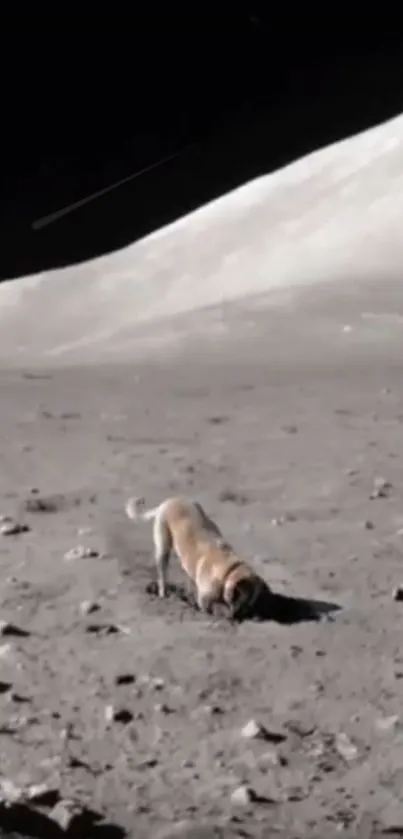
(334, 215)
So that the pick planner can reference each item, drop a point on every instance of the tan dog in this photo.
(219, 574)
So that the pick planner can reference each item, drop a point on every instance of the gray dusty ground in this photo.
(267, 334)
(282, 434)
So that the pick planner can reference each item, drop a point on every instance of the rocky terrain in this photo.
(282, 413)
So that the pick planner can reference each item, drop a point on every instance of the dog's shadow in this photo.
(290, 610)
(270, 607)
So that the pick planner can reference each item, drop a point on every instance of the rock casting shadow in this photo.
(19, 821)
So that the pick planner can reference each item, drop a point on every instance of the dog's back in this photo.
(193, 532)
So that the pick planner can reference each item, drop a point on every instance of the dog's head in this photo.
(241, 598)
(249, 598)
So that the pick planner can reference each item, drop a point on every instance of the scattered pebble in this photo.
(213, 710)
(7, 628)
(163, 708)
(398, 593)
(71, 817)
(17, 697)
(271, 757)
(122, 715)
(125, 679)
(345, 747)
(102, 628)
(80, 552)
(300, 728)
(158, 683)
(9, 792)
(381, 488)
(242, 796)
(228, 495)
(13, 528)
(382, 483)
(41, 505)
(386, 723)
(253, 730)
(87, 607)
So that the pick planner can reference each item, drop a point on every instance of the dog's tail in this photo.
(135, 510)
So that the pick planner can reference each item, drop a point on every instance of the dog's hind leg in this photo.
(162, 552)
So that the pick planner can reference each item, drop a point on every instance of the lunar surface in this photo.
(251, 356)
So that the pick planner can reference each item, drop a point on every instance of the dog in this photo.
(219, 574)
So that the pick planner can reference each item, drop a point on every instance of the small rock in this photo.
(41, 505)
(213, 710)
(382, 483)
(162, 708)
(369, 525)
(71, 817)
(345, 747)
(253, 730)
(9, 792)
(228, 495)
(271, 757)
(5, 687)
(158, 683)
(187, 763)
(148, 763)
(398, 593)
(381, 488)
(7, 628)
(17, 697)
(87, 607)
(102, 628)
(296, 793)
(13, 528)
(243, 796)
(125, 679)
(80, 552)
(386, 723)
(290, 429)
(122, 715)
(300, 728)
